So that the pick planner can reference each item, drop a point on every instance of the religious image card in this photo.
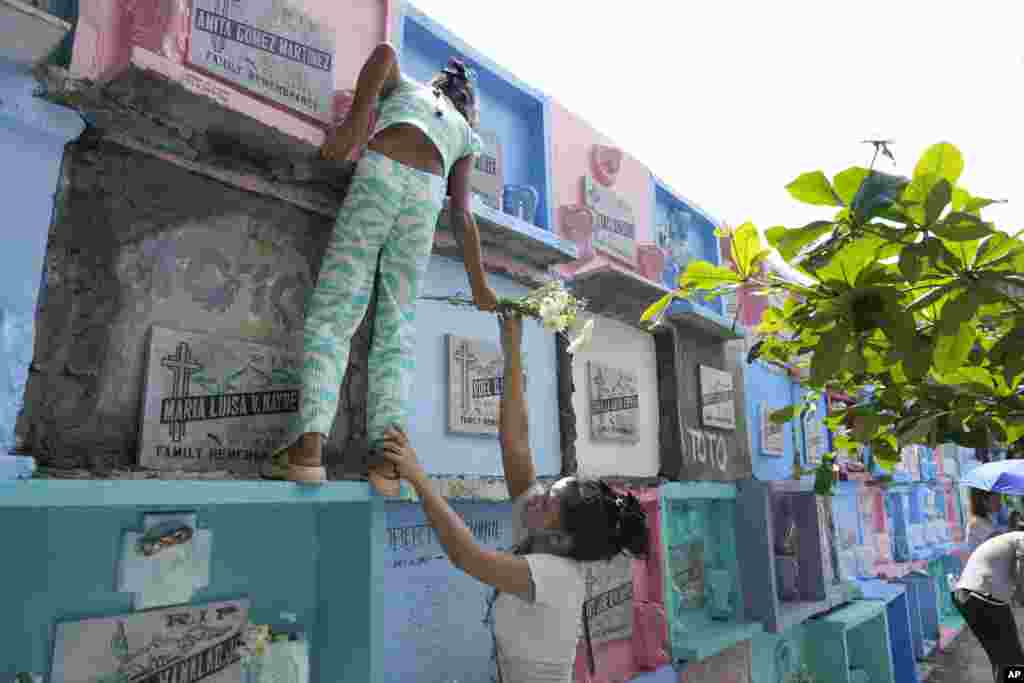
(185, 644)
(165, 562)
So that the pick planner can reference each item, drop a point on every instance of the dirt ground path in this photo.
(965, 661)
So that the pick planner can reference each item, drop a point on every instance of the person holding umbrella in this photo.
(983, 504)
(994, 572)
(988, 483)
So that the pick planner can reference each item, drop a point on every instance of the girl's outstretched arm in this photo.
(507, 572)
(467, 234)
(513, 425)
(377, 78)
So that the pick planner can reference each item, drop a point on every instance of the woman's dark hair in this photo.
(601, 522)
(980, 503)
(455, 82)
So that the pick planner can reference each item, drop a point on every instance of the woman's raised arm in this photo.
(377, 78)
(513, 425)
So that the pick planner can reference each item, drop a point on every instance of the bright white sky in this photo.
(728, 101)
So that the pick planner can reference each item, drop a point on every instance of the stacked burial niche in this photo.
(185, 239)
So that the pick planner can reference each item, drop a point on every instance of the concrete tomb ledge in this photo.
(634, 293)
(494, 490)
(140, 175)
(148, 111)
(850, 616)
(709, 638)
(154, 494)
(80, 488)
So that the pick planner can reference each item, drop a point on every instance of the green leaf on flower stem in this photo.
(848, 182)
(938, 198)
(914, 196)
(1014, 431)
(911, 262)
(878, 195)
(961, 227)
(917, 430)
(824, 477)
(747, 250)
(998, 246)
(885, 455)
(959, 310)
(951, 350)
(813, 188)
(885, 445)
(784, 415)
(790, 242)
(774, 234)
(701, 275)
(828, 355)
(846, 265)
(939, 254)
(1013, 369)
(655, 310)
(865, 426)
(917, 362)
(898, 325)
(1010, 345)
(942, 160)
(976, 204)
(959, 199)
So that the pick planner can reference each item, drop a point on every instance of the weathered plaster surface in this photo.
(160, 172)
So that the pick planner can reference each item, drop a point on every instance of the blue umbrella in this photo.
(1004, 476)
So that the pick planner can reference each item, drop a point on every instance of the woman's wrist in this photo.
(419, 480)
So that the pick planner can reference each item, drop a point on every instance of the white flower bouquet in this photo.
(558, 310)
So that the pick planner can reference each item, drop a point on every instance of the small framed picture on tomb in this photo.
(476, 380)
(487, 180)
(773, 435)
(717, 402)
(614, 403)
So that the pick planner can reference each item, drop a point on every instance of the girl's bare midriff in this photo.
(408, 145)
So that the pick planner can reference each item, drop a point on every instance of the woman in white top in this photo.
(539, 587)
(983, 595)
(983, 504)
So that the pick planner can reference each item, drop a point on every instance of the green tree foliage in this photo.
(909, 299)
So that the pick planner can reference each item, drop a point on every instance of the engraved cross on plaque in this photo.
(181, 366)
(466, 359)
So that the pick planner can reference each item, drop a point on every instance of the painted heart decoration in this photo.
(606, 162)
(652, 261)
(578, 221)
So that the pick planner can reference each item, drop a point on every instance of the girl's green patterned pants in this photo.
(388, 217)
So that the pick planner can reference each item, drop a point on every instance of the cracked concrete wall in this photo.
(128, 248)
